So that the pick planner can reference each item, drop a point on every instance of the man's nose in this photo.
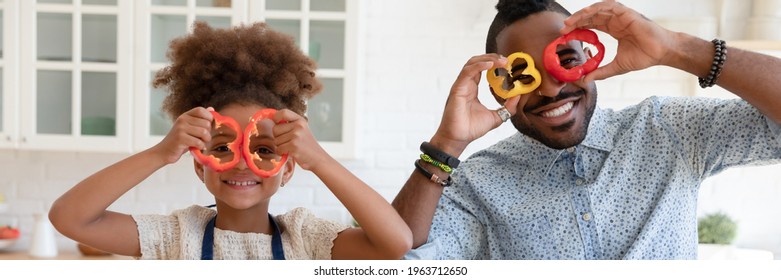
(550, 86)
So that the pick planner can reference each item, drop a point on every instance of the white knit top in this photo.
(179, 236)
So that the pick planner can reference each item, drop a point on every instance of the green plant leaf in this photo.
(716, 228)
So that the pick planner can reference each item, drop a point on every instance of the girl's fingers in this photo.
(286, 115)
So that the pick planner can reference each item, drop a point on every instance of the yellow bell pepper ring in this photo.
(509, 84)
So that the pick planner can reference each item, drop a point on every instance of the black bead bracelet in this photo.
(719, 57)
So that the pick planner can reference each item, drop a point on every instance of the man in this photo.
(579, 182)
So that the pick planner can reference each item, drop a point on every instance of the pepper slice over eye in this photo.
(234, 146)
(507, 83)
(271, 164)
(552, 62)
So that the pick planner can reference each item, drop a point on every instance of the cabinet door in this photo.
(157, 22)
(327, 31)
(76, 71)
(9, 73)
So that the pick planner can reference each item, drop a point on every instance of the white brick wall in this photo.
(412, 52)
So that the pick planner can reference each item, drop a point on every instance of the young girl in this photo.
(234, 72)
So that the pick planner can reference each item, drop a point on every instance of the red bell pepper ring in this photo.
(552, 62)
(249, 156)
(216, 163)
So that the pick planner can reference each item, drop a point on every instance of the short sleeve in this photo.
(716, 134)
(316, 235)
(173, 237)
(158, 236)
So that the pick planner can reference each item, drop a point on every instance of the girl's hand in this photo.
(465, 118)
(191, 129)
(641, 42)
(295, 139)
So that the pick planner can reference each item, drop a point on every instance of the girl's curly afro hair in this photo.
(247, 64)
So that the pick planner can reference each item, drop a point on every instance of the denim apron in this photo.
(207, 248)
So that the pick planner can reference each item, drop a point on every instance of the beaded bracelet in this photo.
(433, 162)
(718, 63)
(433, 177)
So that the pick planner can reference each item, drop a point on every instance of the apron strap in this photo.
(207, 245)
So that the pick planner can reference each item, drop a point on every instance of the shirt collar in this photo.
(600, 131)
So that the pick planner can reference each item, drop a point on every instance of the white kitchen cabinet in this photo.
(9, 75)
(75, 75)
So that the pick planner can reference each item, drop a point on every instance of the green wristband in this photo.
(442, 166)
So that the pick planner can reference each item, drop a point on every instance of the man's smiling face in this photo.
(560, 117)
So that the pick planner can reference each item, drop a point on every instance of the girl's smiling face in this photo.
(239, 188)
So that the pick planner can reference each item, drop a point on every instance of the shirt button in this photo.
(571, 149)
(579, 182)
(587, 217)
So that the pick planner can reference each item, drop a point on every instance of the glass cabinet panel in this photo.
(99, 38)
(327, 37)
(53, 102)
(78, 74)
(290, 27)
(55, 37)
(169, 2)
(56, 1)
(165, 28)
(99, 2)
(215, 22)
(328, 5)
(213, 3)
(159, 123)
(98, 109)
(1, 33)
(285, 5)
(325, 111)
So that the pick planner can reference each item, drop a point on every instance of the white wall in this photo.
(412, 50)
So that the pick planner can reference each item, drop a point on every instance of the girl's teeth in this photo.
(245, 183)
(563, 109)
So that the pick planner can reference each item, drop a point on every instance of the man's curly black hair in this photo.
(247, 64)
(510, 11)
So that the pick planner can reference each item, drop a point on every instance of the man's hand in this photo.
(641, 42)
(465, 118)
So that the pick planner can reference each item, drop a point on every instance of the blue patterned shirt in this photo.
(628, 191)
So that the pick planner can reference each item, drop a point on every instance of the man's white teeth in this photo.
(244, 183)
(563, 109)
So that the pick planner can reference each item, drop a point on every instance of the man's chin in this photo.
(559, 144)
(559, 137)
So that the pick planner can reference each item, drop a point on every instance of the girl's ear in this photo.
(290, 166)
(198, 169)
